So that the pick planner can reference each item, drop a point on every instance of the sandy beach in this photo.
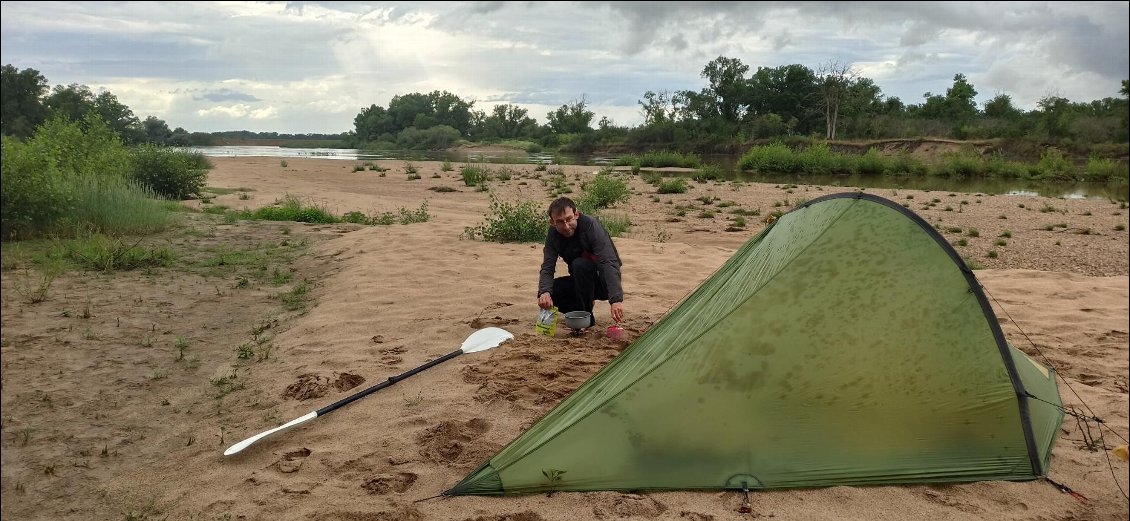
(122, 390)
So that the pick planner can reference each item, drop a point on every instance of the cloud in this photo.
(239, 111)
(227, 95)
(319, 63)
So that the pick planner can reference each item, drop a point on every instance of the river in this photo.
(1116, 191)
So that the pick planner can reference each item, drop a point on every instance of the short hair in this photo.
(560, 204)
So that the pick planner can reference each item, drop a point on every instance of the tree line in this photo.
(27, 102)
(736, 107)
(739, 106)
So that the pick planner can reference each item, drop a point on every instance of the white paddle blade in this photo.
(246, 443)
(485, 338)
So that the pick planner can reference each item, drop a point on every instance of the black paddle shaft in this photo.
(391, 380)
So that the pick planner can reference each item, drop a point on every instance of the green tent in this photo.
(847, 344)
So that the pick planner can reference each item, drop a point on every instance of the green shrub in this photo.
(820, 159)
(666, 158)
(522, 221)
(906, 164)
(960, 164)
(170, 172)
(871, 163)
(1054, 165)
(419, 215)
(774, 157)
(473, 175)
(292, 208)
(708, 173)
(602, 192)
(675, 185)
(1100, 169)
(45, 179)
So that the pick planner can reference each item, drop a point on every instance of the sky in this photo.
(311, 67)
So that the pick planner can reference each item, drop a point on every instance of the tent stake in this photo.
(746, 508)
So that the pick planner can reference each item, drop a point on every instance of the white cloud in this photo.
(239, 111)
(311, 67)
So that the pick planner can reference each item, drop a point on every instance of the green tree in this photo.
(157, 131)
(448, 109)
(403, 109)
(1000, 107)
(507, 122)
(1055, 116)
(21, 101)
(73, 101)
(373, 123)
(571, 118)
(119, 118)
(960, 100)
(727, 87)
(657, 107)
(788, 91)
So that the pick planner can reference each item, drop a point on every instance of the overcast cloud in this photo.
(296, 67)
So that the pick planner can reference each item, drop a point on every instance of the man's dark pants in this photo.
(577, 291)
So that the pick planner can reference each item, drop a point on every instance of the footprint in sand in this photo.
(308, 386)
(629, 505)
(347, 381)
(292, 460)
(479, 323)
(391, 360)
(385, 483)
(445, 442)
(695, 516)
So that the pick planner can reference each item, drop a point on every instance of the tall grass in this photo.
(659, 159)
(70, 179)
(115, 206)
(292, 208)
(614, 223)
(778, 157)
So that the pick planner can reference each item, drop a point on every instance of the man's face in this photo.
(565, 222)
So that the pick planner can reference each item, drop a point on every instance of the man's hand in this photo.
(617, 311)
(545, 301)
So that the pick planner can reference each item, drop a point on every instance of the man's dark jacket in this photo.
(589, 240)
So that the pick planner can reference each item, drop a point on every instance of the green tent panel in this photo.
(847, 344)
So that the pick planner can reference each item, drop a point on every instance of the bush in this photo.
(960, 165)
(291, 208)
(523, 221)
(46, 181)
(473, 175)
(675, 185)
(775, 157)
(871, 163)
(1054, 165)
(170, 172)
(603, 191)
(438, 137)
(1100, 169)
(708, 173)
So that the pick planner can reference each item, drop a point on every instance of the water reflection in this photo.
(1119, 191)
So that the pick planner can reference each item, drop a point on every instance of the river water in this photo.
(1117, 191)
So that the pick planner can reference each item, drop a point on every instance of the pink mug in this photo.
(615, 332)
